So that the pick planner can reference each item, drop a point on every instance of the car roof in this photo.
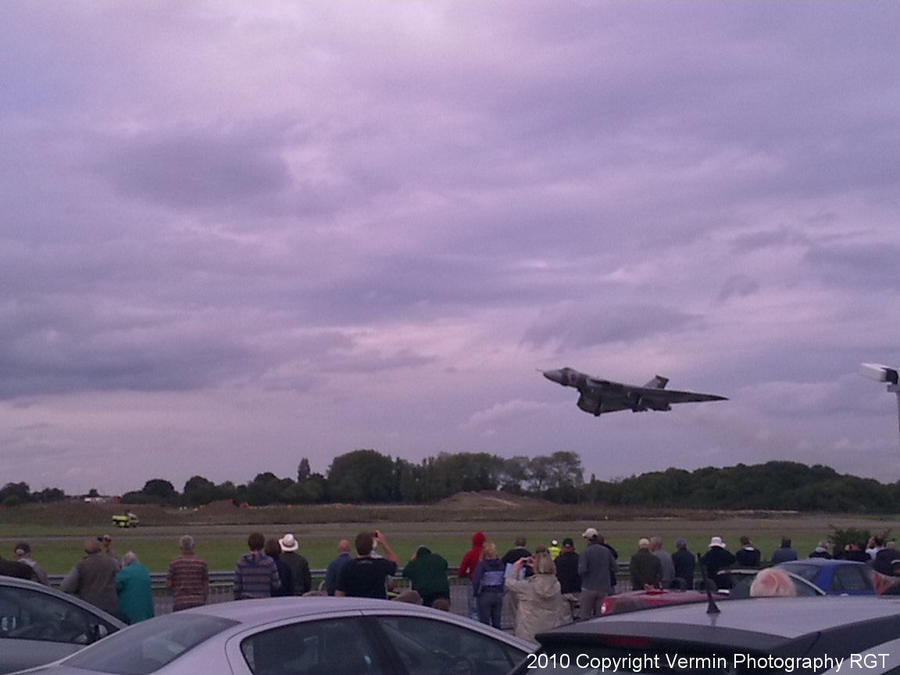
(821, 562)
(15, 582)
(758, 623)
(276, 609)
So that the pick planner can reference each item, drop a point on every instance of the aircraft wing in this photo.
(672, 395)
(600, 396)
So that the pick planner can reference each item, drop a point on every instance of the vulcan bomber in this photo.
(597, 396)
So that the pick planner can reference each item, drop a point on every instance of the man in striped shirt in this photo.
(255, 574)
(188, 577)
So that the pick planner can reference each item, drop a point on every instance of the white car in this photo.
(302, 636)
(39, 624)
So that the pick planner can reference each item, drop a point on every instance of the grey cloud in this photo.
(870, 265)
(265, 195)
(770, 238)
(426, 285)
(577, 327)
(196, 169)
(737, 286)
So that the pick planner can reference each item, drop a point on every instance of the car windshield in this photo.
(146, 647)
(580, 659)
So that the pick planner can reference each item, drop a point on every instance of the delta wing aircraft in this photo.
(598, 396)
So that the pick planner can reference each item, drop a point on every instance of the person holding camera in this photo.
(540, 604)
(366, 576)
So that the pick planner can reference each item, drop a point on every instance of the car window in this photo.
(808, 572)
(806, 590)
(147, 646)
(324, 647)
(850, 578)
(432, 647)
(26, 614)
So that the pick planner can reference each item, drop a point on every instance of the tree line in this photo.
(369, 477)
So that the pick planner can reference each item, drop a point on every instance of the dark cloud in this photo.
(67, 347)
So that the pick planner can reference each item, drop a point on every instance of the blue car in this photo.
(835, 577)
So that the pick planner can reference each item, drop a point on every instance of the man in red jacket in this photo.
(467, 567)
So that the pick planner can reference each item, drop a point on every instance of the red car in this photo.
(632, 600)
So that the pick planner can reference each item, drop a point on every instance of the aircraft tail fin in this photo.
(657, 382)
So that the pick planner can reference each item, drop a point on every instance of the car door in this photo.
(326, 646)
(429, 646)
(37, 627)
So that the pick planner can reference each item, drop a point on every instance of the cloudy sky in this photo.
(237, 234)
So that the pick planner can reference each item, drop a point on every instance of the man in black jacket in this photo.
(567, 573)
(684, 565)
(297, 563)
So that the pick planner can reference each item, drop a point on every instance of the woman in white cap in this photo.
(715, 559)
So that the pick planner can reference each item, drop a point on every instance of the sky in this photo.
(236, 234)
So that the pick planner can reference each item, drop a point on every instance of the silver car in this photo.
(302, 636)
(39, 625)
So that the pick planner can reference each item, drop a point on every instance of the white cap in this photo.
(716, 541)
(589, 533)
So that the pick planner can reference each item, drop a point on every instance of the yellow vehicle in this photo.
(126, 520)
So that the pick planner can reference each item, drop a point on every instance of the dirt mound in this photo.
(491, 500)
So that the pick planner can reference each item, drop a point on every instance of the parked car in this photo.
(741, 579)
(746, 637)
(302, 636)
(39, 624)
(835, 577)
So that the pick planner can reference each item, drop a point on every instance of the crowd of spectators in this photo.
(547, 587)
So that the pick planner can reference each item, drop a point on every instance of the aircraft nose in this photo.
(555, 376)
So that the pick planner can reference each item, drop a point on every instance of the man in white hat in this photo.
(597, 568)
(715, 559)
(298, 564)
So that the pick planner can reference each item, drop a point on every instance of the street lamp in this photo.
(880, 373)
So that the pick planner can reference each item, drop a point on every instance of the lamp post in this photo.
(880, 373)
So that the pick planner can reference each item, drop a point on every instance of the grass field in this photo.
(57, 533)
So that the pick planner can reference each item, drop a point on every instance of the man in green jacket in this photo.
(133, 589)
(427, 573)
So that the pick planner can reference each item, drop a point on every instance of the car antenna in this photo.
(711, 606)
